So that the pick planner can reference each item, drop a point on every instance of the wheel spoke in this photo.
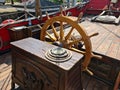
(80, 16)
(51, 37)
(53, 28)
(62, 11)
(55, 32)
(61, 31)
(47, 15)
(79, 51)
(74, 42)
(69, 34)
(39, 26)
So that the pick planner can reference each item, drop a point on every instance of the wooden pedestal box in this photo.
(31, 70)
(21, 32)
(17, 33)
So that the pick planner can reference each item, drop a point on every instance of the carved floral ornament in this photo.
(31, 82)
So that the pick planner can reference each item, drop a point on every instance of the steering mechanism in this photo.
(74, 37)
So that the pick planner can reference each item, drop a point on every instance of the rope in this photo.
(20, 17)
(24, 15)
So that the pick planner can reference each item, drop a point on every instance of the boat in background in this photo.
(86, 6)
(2, 2)
(97, 6)
(4, 27)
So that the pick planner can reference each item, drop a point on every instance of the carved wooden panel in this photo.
(35, 77)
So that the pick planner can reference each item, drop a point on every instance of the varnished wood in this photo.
(29, 60)
(38, 9)
(106, 44)
(117, 82)
(17, 33)
(88, 84)
(108, 41)
(21, 32)
(67, 43)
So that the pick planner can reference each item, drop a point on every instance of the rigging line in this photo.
(20, 17)
(30, 14)
(24, 15)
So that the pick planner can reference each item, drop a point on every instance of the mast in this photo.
(38, 8)
(12, 2)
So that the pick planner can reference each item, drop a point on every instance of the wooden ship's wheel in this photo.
(72, 38)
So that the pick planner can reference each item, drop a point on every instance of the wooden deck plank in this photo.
(118, 53)
(102, 49)
(4, 72)
(107, 42)
(90, 83)
(6, 85)
(3, 66)
(113, 49)
(98, 40)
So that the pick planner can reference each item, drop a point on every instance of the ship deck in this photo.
(106, 44)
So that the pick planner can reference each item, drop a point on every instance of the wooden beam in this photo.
(38, 9)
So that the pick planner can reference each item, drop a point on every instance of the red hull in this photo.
(4, 39)
(96, 6)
